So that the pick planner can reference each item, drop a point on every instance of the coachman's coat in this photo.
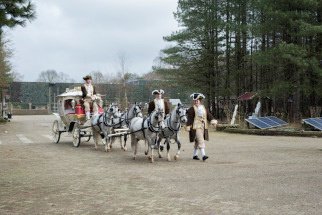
(84, 91)
(191, 117)
(152, 107)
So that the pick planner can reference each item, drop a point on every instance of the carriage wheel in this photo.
(89, 137)
(55, 132)
(76, 135)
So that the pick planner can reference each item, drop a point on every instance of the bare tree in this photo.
(50, 76)
(98, 77)
(123, 77)
(65, 78)
(16, 76)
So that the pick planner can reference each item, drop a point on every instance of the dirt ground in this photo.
(243, 175)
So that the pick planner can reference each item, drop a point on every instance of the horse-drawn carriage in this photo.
(112, 123)
(71, 117)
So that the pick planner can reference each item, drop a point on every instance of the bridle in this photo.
(151, 127)
(176, 122)
(109, 115)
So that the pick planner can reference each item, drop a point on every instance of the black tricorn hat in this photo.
(196, 96)
(87, 77)
(154, 92)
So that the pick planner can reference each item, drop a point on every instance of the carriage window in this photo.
(68, 107)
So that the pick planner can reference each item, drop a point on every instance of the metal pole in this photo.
(49, 99)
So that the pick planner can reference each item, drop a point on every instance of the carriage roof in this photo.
(71, 93)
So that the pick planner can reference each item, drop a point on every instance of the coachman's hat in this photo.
(196, 96)
(87, 77)
(154, 92)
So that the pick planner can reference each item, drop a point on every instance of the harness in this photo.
(123, 118)
(173, 130)
(150, 126)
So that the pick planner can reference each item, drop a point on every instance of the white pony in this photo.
(172, 127)
(100, 128)
(120, 120)
(147, 129)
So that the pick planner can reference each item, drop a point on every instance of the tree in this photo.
(196, 55)
(65, 78)
(16, 76)
(98, 77)
(50, 76)
(227, 47)
(5, 65)
(12, 13)
(123, 76)
(15, 12)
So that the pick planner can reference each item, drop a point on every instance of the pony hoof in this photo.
(152, 160)
(169, 159)
(125, 149)
(161, 148)
(145, 153)
(149, 158)
(176, 157)
(160, 156)
(134, 158)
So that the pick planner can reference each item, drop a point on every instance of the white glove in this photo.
(94, 97)
(214, 122)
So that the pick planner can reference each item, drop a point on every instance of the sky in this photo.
(77, 37)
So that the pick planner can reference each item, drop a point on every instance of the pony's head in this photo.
(181, 113)
(113, 109)
(137, 111)
(158, 118)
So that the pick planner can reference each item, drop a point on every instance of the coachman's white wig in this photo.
(154, 92)
(196, 96)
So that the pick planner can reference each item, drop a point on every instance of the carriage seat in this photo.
(68, 109)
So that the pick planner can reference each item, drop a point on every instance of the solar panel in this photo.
(277, 120)
(258, 123)
(266, 122)
(269, 121)
(314, 122)
(318, 120)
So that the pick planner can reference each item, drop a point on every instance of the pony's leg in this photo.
(168, 149)
(179, 147)
(95, 137)
(135, 148)
(152, 154)
(158, 145)
(134, 145)
(125, 140)
(152, 145)
(122, 145)
(148, 148)
(108, 144)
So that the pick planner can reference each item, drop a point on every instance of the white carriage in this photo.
(71, 117)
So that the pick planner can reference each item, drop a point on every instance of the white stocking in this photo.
(203, 153)
(195, 152)
(88, 115)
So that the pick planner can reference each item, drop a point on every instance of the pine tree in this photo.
(195, 57)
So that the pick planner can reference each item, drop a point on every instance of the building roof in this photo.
(246, 96)
(175, 101)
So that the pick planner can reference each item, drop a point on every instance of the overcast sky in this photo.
(80, 36)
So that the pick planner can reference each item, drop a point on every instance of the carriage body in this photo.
(71, 117)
